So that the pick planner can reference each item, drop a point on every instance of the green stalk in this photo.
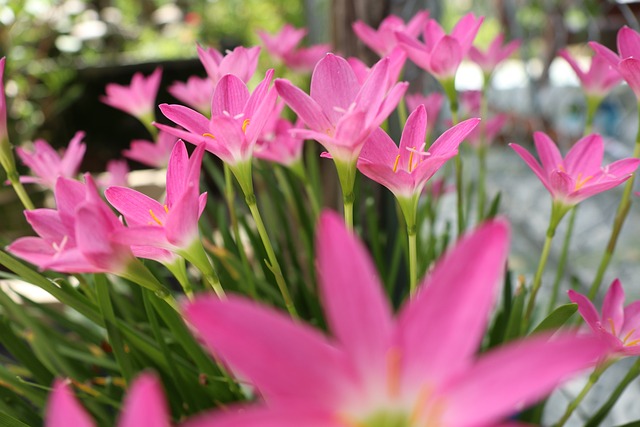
(562, 261)
(450, 90)
(558, 210)
(179, 271)
(273, 264)
(196, 255)
(347, 178)
(593, 378)
(20, 191)
(618, 222)
(298, 170)
(402, 113)
(413, 260)
(631, 375)
(482, 174)
(592, 107)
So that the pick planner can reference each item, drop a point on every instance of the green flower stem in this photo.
(229, 194)
(347, 177)
(618, 222)
(8, 162)
(139, 274)
(20, 191)
(179, 271)
(196, 255)
(562, 261)
(593, 378)
(413, 260)
(274, 266)
(147, 121)
(632, 374)
(592, 106)
(558, 210)
(482, 174)
(402, 113)
(298, 170)
(450, 90)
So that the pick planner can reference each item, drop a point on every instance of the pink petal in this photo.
(465, 31)
(333, 84)
(452, 138)
(256, 416)
(613, 308)
(304, 106)
(47, 223)
(548, 152)
(390, 102)
(611, 57)
(432, 33)
(230, 96)
(585, 157)
(630, 70)
(379, 149)
(418, 52)
(374, 89)
(413, 134)
(93, 237)
(69, 194)
(177, 171)
(369, 37)
(297, 356)
(357, 310)
(134, 206)
(183, 116)
(628, 43)
(533, 164)
(142, 235)
(35, 250)
(145, 405)
(64, 410)
(181, 227)
(516, 375)
(445, 58)
(452, 299)
(586, 308)
(73, 155)
(562, 184)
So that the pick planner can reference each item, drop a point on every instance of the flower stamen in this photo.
(581, 182)
(210, 135)
(155, 218)
(245, 123)
(626, 337)
(611, 324)
(395, 165)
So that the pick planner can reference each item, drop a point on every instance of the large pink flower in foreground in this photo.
(341, 113)
(628, 62)
(619, 325)
(418, 368)
(48, 165)
(144, 406)
(580, 174)
(137, 99)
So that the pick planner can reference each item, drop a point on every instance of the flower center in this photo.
(410, 164)
(581, 182)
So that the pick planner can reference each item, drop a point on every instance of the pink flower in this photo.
(383, 41)
(172, 226)
(492, 128)
(241, 62)
(579, 175)
(628, 63)
(495, 54)
(599, 79)
(397, 58)
(283, 47)
(116, 174)
(144, 406)
(432, 103)
(341, 113)
(276, 143)
(237, 118)
(420, 367)
(137, 99)
(78, 236)
(618, 325)
(152, 154)
(47, 164)
(406, 169)
(196, 93)
(441, 54)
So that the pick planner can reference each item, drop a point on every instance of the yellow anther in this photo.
(626, 337)
(410, 160)
(154, 217)
(581, 182)
(613, 327)
(166, 208)
(632, 343)
(210, 135)
(394, 357)
(395, 165)
(245, 123)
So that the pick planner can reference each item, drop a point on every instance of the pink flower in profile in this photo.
(152, 154)
(196, 93)
(237, 119)
(137, 99)
(117, 173)
(283, 46)
(47, 164)
(383, 40)
(241, 62)
(144, 406)
(406, 169)
(628, 62)
(420, 367)
(491, 129)
(432, 103)
(617, 324)
(78, 236)
(441, 54)
(341, 113)
(495, 54)
(599, 79)
(580, 174)
(173, 225)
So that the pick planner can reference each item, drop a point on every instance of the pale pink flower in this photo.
(617, 324)
(152, 154)
(495, 54)
(420, 367)
(276, 142)
(283, 47)
(580, 174)
(441, 54)
(137, 99)
(489, 130)
(628, 62)
(341, 113)
(117, 173)
(599, 79)
(196, 93)
(144, 406)
(383, 40)
(241, 62)
(47, 164)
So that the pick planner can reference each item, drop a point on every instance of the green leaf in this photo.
(557, 318)
(9, 421)
(514, 326)
(495, 206)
